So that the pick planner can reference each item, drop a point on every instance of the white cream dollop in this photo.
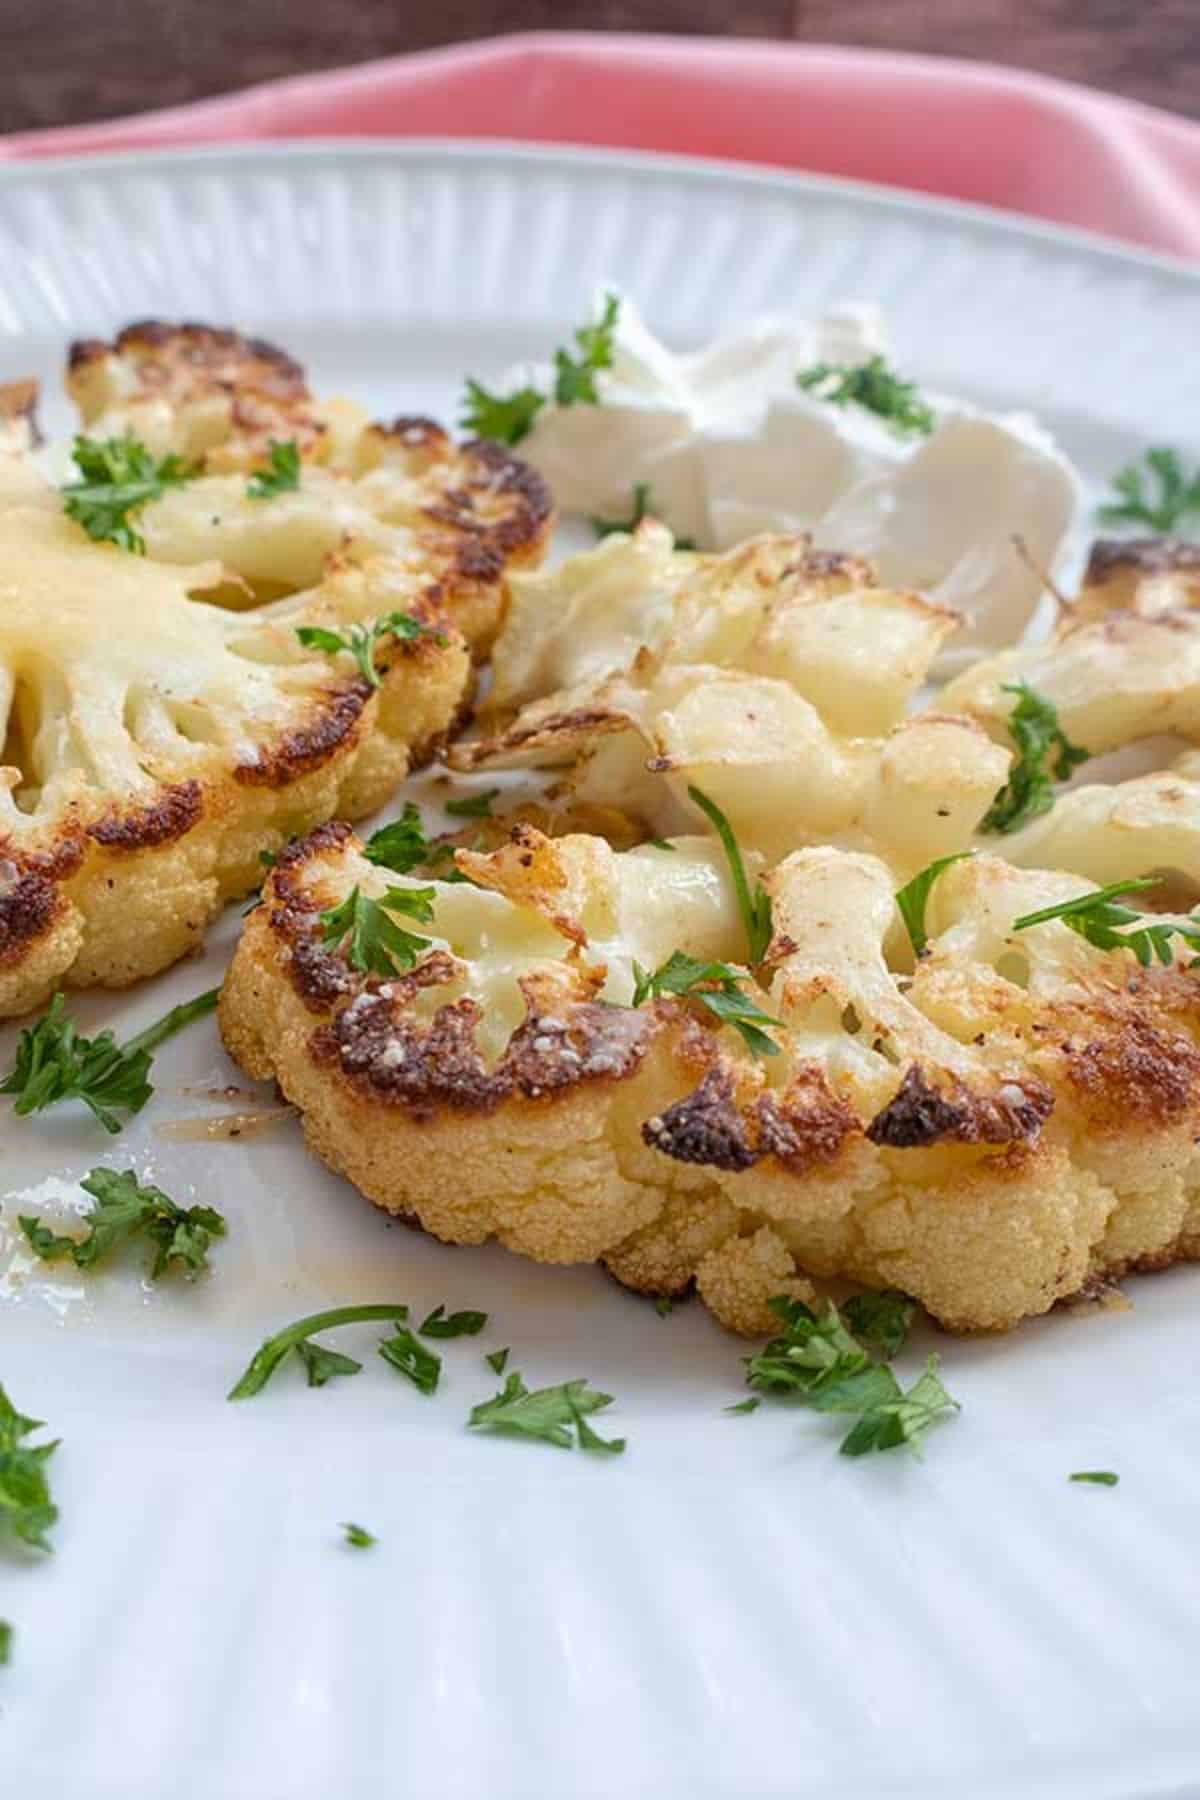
(729, 445)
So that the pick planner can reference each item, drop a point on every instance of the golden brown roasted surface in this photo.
(989, 1131)
(152, 744)
(462, 516)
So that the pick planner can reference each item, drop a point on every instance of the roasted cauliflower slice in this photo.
(151, 744)
(460, 516)
(498, 1087)
(989, 1132)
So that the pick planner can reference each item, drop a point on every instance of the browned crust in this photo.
(18, 400)
(174, 811)
(492, 472)
(305, 749)
(209, 348)
(28, 907)
(1145, 555)
(809, 1127)
(920, 1114)
(705, 1127)
(1136, 1074)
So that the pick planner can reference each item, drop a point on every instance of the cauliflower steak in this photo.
(153, 744)
(991, 1132)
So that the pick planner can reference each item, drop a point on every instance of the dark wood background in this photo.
(67, 61)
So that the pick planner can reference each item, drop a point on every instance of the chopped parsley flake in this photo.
(26, 1509)
(1097, 1477)
(1044, 755)
(1176, 500)
(510, 417)
(439, 1324)
(716, 987)
(872, 385)
(407, 1354)
(281, 476)
(276, 1349)
(357, 1536)
(124, 1210)
(550, 1414)
(54, 1062)
(1101, 919)
(118, 476)
(360, 640)
(754, 905)
(913, 898)
(373, 942)
(473, 806)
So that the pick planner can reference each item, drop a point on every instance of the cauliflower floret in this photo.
(460, 516)
(774, 678)
(151, 744)
(988, 1132)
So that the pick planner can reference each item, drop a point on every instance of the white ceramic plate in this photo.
(731, 1609)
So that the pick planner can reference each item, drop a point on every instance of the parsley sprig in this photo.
(26, 1508)
(55, 1062)
(360, 640)
(1103, 921)
(818, 1360)
(913, 898)
(401, 845)
(357, 1536)
(282, 474)
(118, 476)
(373, 942)
(123, 1210)
(553, 1415)
(753, 904)
(320, 1363)
(510, 417)
(473, 806)
(715, 986)
(1044, 755)
(1177, 497)
(402, 1350)
(872, 385)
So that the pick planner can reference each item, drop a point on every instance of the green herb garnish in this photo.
(473, 806)
(123, 1210)
(664, 1306)
(54, 1062)
(1029, 790)
(440, 1324)
(754, 906)
(549, 1414)
(406, 1353)
(357, 1535)
(505, 417)
(872, 385)
(510, 417)
(497, 1359)
(360, 640)
(1177, 498)
(745, 1406)
(117, 477)
(913, 898)
(1098, 1477)
(1099, 918)
(716, 987)
(373, 942)
(26, 1508)
(880, 1320)
(271, 1353)
(400, 846)
(643, 508)
(322, 1365)
(6, 1643)
(282, 476)
(575, 376)
(818, 1360)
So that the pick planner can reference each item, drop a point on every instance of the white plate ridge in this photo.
(731, 1610)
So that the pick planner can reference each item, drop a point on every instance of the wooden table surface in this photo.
(76, 60)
